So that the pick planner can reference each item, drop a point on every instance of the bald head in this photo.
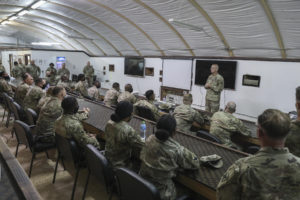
(188, 99)
(214, 68)
(230, 107)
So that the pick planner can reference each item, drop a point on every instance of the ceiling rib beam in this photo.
(214, 25)
(167, 23)
(102, 22)
(67, 27)
(130, 22)
(272, 20)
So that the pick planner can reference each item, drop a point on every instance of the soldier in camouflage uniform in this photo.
(4, 86)
(162, 157)
(63, 72)
(64, 82)
(51, 74)
(126, 95)
(69, 126)
(22, 89)
(214, 86)
(88, 71)
(272, 173)
(2, 68)
(293, 138)
(120, 137)
(111, 95)
(49, 113)
(33, 70)
(186, 116)
(224, 125)
(94, 91)
(17, 72)
(80, 86)
(21, 65)
(34, 94)
(44, 99)
(148, 104)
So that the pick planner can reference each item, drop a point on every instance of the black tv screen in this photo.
(227, 69)
(134, 66)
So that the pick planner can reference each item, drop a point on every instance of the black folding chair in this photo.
(252, 149)
(205, 135)
(100, 168)
(35, 146)
(31, 116)
(68, 151)
(9, 101)
(144, 112)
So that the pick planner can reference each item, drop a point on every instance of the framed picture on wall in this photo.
(251, 80)
(111, 68)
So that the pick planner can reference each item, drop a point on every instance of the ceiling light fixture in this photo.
(38, 4)
(45, 43)
(23, 12)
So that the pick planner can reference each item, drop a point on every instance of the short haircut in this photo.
(298, 93)
(25, 76)
(69, 104)
(217, 66)
(128, 87)
(116, 85)
(80, 77)
(231, 106)
(50, 90)
(274, 123)
(124, 109)
(188, 99)
(166, 127)
(51, 64)
(149, 93)
(57, 90)
(16, 63)
(38, 81)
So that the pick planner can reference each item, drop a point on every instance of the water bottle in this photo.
(143, 129)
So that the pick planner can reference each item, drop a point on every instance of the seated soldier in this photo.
(148, 104)
(80, 86)
(44, 99)
(272, 173)
(126, 95)
(23, 88)
(162, 157)
(120, 136)
(111, 95)
(49, 113)
(34, 94)
(4, 86)
(186, 116)
(93, 92)
(293, 138)
(64, 82)
(69, 126)
(224, 125)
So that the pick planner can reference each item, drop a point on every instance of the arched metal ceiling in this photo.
(226, 28)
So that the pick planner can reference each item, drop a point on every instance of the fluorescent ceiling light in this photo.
(12, 18)
(23, 12)
(38, 4)
(45, 43)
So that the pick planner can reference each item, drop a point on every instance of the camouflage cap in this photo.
(214, 161)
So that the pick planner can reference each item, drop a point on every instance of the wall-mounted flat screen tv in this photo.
(134, 66)
(226, 68)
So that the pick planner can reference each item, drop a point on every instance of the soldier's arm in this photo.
(133, 138)
(38, 71)
(82, 137)
(198, 118)
(187, 159)
(229, 186)
(82, 116)
(242, 129)
(218, 86)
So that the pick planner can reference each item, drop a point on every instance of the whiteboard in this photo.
(177, 73)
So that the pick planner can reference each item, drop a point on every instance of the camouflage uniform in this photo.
(161, 161)
(213, 94)
(185, 115)
(5, 87)
(48, 114)
(32, 97)
(21, 92)
(127, 96)
(65, 85)
(42, 102)
(17, 72)
(270, 174)
(94, 93)
(89, 74)
(293, 138)
(70, 127)
(2, 68)
(53, 72)
(81, 88)
(34, 71)
(120, 139)
(224, 124)
(63, 72)
(149, 105)
(111, 97)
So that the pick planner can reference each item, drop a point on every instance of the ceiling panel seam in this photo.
(102, 22)
(154, 12)
(272, 20)
(214, 25)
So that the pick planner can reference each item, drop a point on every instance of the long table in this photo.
(204, 181)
